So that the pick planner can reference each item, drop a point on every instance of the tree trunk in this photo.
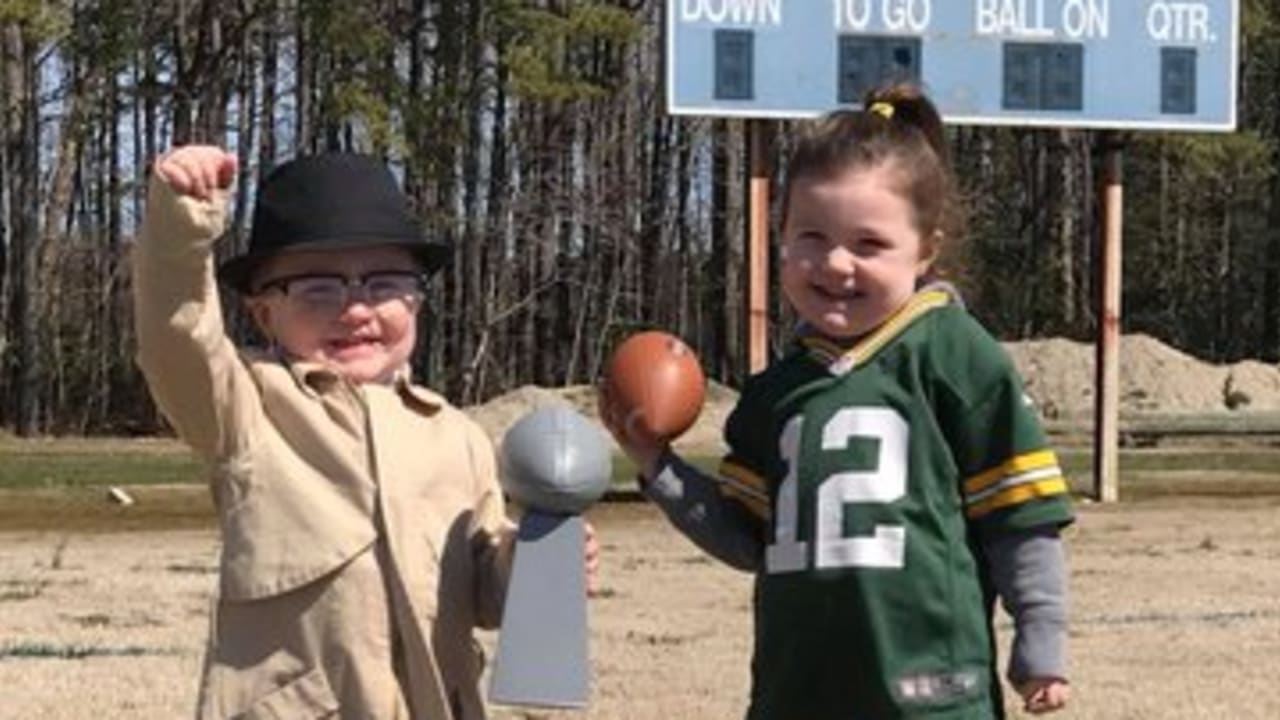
(725, 276)
(1270, 349)
(472, 252)
(23, 86)
(304, 78)
(268, 29)
(1227, 280)
(1067, 227)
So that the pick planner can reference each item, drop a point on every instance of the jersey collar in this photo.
(840, 359)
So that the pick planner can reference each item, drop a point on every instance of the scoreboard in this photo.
(1120, 64)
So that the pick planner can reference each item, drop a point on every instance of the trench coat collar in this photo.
(317, 379)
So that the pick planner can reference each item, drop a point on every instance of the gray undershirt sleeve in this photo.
(1029, 573)
(692, 502)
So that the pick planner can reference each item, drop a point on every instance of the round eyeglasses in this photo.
(329, 294)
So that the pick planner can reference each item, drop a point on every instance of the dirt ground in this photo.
(1175, 615)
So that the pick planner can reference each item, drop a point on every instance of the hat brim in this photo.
(237, 272)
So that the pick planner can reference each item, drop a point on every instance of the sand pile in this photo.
(500, 413)
(1154, 379)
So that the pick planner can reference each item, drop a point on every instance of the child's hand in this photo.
(643, 449)
(197, 170)
(1042, 695)
(590, 556)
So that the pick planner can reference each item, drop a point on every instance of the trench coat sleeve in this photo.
(191, 366)
(492, 534)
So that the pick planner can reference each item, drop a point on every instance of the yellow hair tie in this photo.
(883, 109)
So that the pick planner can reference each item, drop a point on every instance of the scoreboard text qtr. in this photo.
(1158, 64)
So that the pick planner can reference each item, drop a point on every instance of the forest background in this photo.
(533, 135)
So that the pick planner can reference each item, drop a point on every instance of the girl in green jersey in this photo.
(887, 478)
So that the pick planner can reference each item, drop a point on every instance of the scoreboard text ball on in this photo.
(1120, 64)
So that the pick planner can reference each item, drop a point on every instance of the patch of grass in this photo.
(21, 590)
(1079, 461)
(60, 485)
(624, 471)
(77, 468)
(1144, 473)
(191, 569)
(47, 651)
(1144, 486)
(81, 510)
(1193, 472)
(92, 620)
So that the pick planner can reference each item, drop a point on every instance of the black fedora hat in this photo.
(330, 201)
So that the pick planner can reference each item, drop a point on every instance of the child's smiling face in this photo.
(851, 251)
(365, 334)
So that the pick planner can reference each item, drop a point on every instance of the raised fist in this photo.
(197, 170)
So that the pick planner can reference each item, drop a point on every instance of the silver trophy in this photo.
(555, 463)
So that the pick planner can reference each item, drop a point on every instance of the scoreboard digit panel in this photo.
(1125, 64)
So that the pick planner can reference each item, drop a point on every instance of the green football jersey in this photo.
(876, 471)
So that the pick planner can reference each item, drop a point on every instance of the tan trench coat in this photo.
(363, 530)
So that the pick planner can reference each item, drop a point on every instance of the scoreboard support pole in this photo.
(1106, 428)
(759, 146)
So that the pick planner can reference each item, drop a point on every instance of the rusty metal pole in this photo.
(1106, 437)
(759, 140)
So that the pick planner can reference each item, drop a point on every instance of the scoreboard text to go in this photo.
(1094, 63)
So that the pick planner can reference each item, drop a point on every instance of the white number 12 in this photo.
(886, 546)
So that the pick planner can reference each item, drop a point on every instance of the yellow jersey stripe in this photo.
(1013, 466)
(728, 484)
(1018, 494)
(739, 482)
(1020, 479)
(744, 477)
(753, 503)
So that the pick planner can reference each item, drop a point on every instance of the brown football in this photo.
(655, 384)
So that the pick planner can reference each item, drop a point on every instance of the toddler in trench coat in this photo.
(364, 533)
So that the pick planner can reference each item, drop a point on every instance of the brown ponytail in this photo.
(898, 125)
(913, 109)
